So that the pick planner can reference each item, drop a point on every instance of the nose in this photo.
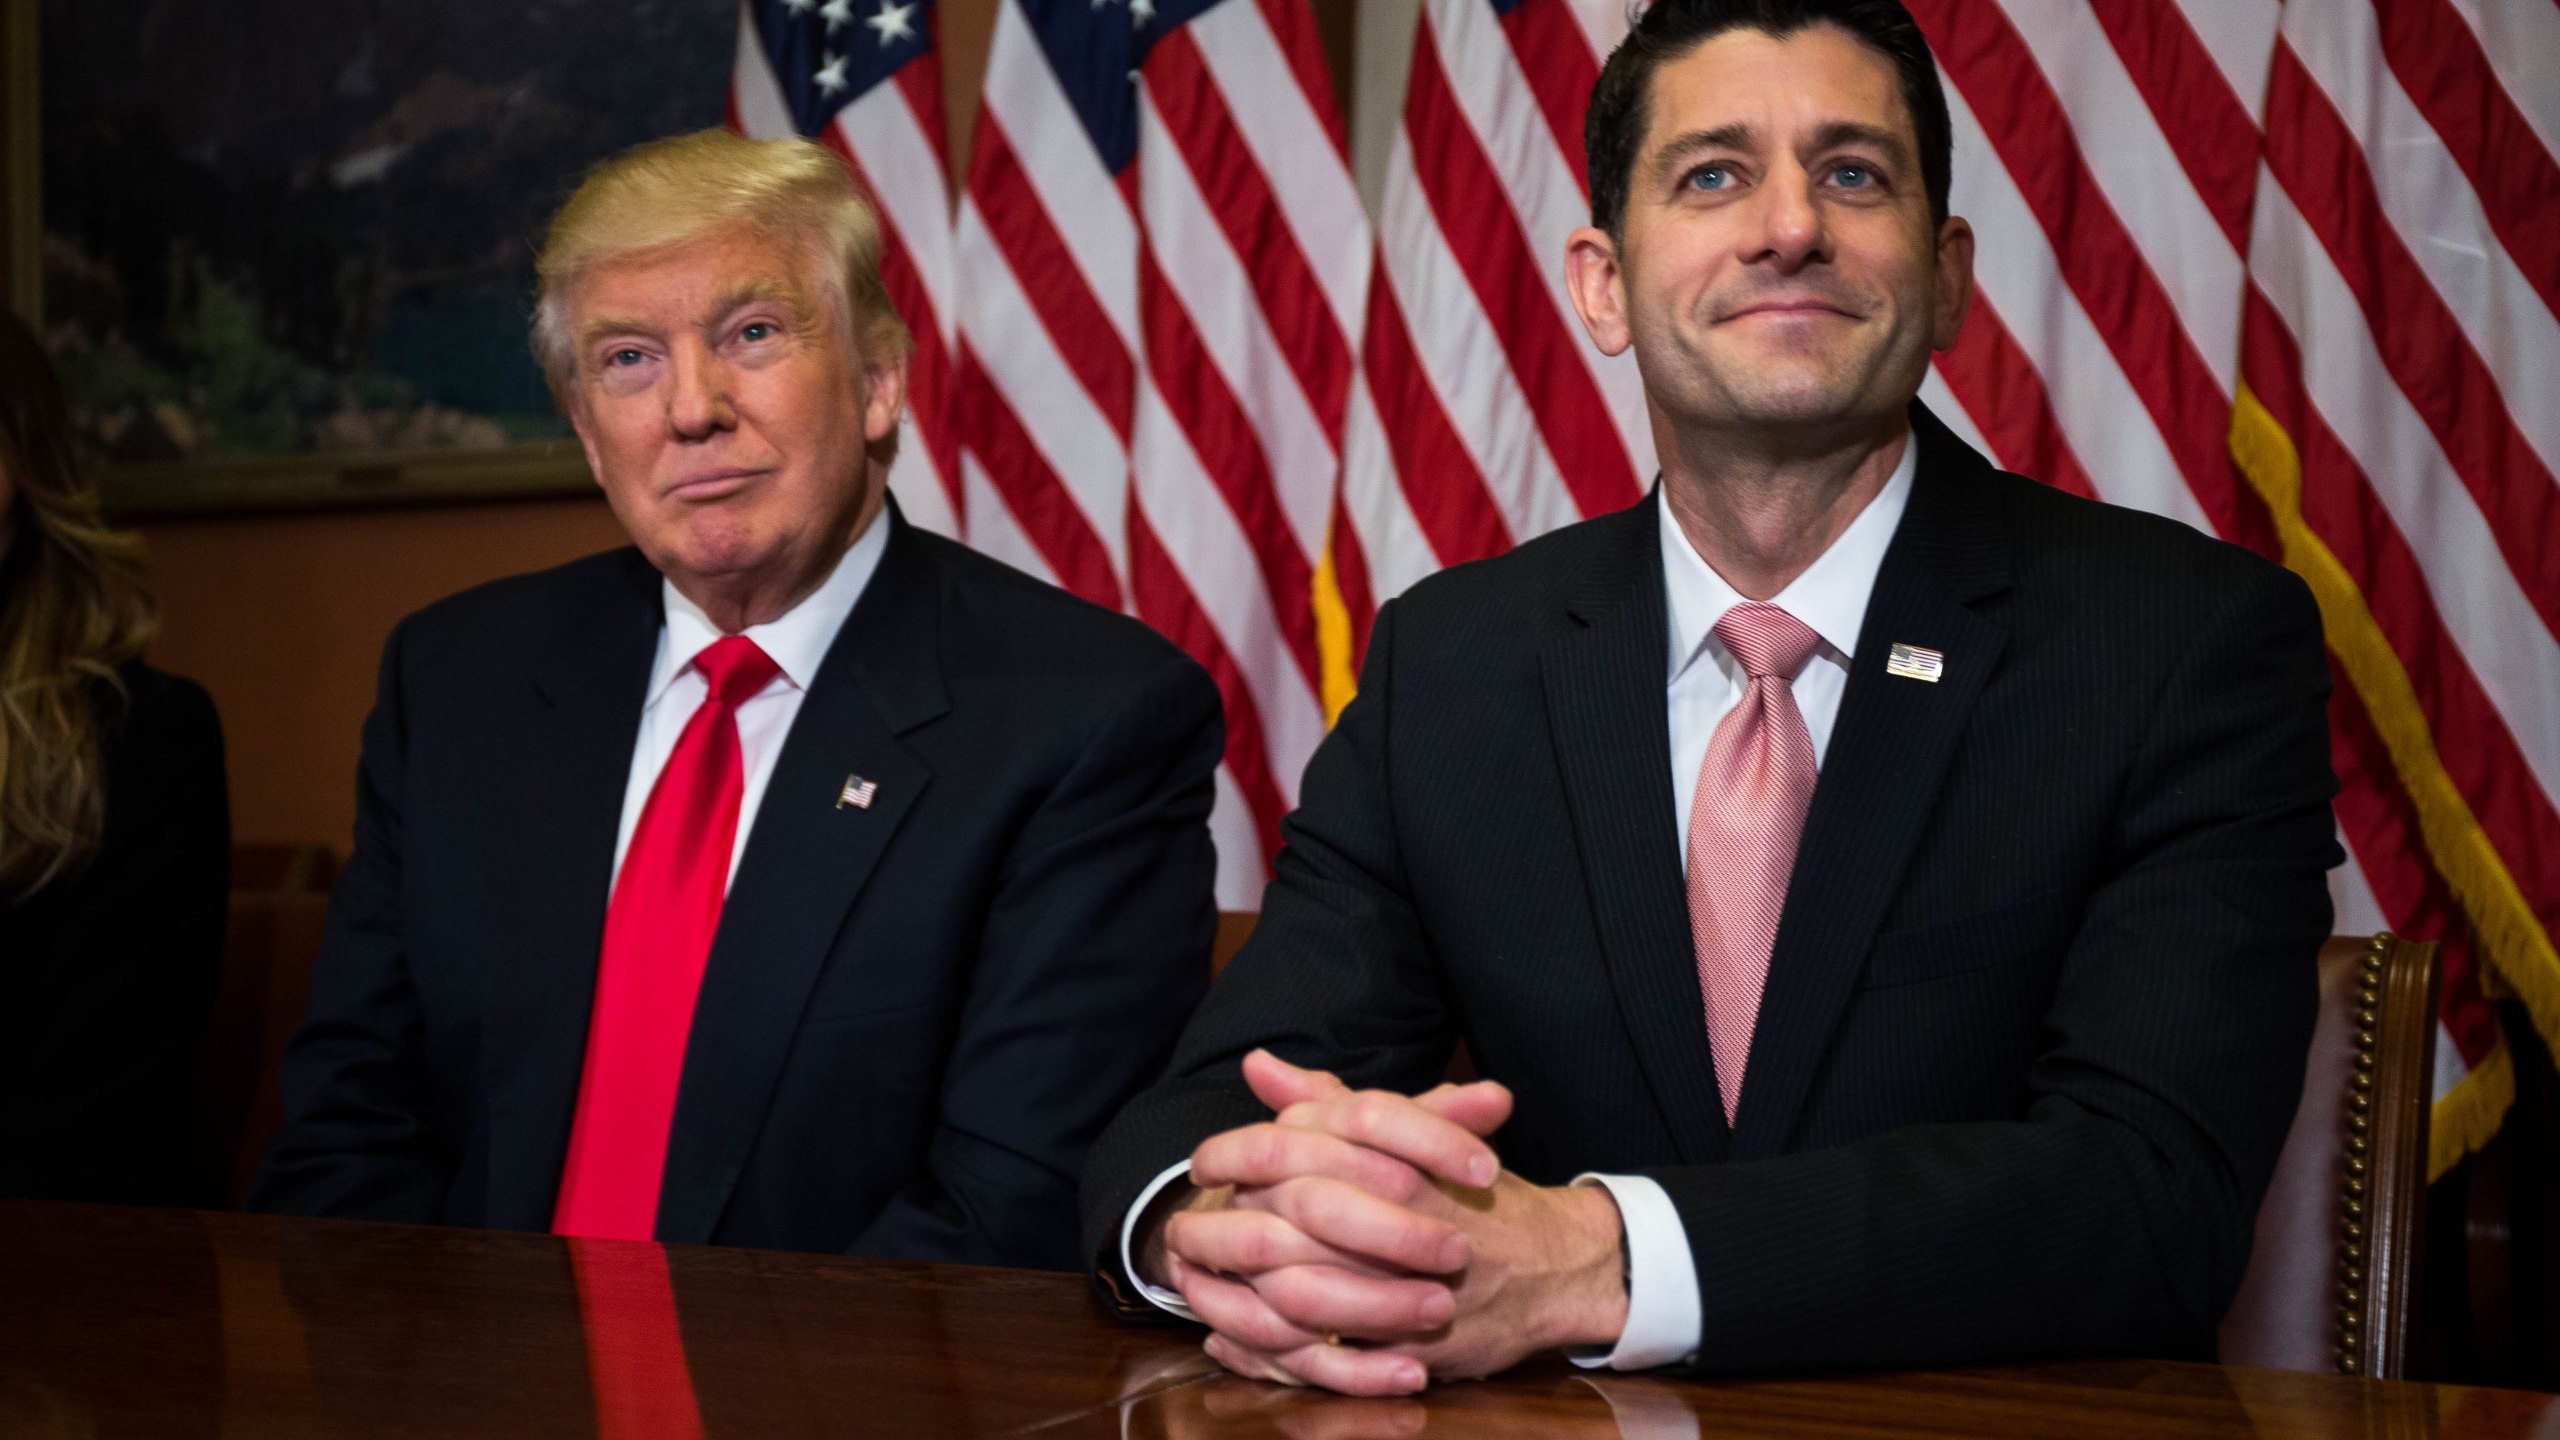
(1792, 233)
(699, 403)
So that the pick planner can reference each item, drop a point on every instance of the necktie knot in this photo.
(735, 669)
(1770, 643)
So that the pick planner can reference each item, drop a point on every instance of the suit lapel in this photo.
(551, 865)
(806, 860)
(1889, 753)
(1604, 681)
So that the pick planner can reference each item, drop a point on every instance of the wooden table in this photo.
(162, 1323)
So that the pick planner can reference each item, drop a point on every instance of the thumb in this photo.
(1279, 1084)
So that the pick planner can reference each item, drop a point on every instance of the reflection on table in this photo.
(165, 1323)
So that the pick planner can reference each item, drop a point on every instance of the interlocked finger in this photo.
(1270, 1153)
(1246, 1241)
(1399, 1127)
(1353, 1220)
(1234, 1309)
(1328, 1300)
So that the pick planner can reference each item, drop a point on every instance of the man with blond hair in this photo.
(793, 878)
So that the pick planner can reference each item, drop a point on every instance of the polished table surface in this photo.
(118, 1322)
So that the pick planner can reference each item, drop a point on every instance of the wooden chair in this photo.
(1234, 928)
(279, 906)
(2333, 1279)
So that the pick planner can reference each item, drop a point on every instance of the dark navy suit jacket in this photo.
(916, 1017)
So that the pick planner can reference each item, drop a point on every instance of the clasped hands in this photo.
(1369, 1242)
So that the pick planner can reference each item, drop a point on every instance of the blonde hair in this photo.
(75, 604)
(669, 192)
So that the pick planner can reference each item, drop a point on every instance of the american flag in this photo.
(1164, 259)
(865, 78)
(1484, 416)
(2286, 270)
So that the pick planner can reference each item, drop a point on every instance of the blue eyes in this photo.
(1720, 177)
(754, 332)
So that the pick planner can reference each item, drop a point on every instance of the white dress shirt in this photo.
(1706, 681)
(797, 641)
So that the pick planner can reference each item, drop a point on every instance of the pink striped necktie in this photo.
(1744, 821)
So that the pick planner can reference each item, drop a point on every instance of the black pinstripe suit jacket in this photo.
(2036, 1017)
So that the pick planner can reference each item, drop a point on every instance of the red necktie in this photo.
(657, 938)
(1744, 820)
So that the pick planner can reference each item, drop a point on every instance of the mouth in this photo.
(1795, 308)
(715, 483)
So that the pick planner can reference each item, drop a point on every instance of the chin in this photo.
(1792, 405)
(1799, 389)
(697, 549)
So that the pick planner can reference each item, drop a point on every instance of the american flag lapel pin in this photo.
(858, 793)
(1913, 663)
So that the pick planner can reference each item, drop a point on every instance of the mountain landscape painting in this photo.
(274, 228)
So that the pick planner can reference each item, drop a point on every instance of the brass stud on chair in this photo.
(2352, 1269)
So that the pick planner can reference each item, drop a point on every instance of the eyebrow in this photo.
(763, 290)
(1831, 135)
(1841, 134)
(1680, 147)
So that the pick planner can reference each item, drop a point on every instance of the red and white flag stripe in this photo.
(1157, 349)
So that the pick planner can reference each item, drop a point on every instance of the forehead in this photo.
(686, 280)
(1777, 87)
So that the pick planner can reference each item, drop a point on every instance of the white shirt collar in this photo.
(1830, 596)
(798, 639)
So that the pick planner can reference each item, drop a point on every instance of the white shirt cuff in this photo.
(1663, 1318)
(1171, 1301)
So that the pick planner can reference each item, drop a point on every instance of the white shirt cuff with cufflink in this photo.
(1663, 1317)
(1170, 1301)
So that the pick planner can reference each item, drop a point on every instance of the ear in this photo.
(1598, 286)
(1955, 283)
(884, 397)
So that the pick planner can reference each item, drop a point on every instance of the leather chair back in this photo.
(279, 909)
(2332, 1283)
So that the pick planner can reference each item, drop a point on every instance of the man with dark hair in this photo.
(1881, 891)
(1614, 126)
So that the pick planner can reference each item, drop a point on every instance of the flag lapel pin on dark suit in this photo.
(1913, 663)
(858, 793)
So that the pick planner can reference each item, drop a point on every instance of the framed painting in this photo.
(282, 254)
